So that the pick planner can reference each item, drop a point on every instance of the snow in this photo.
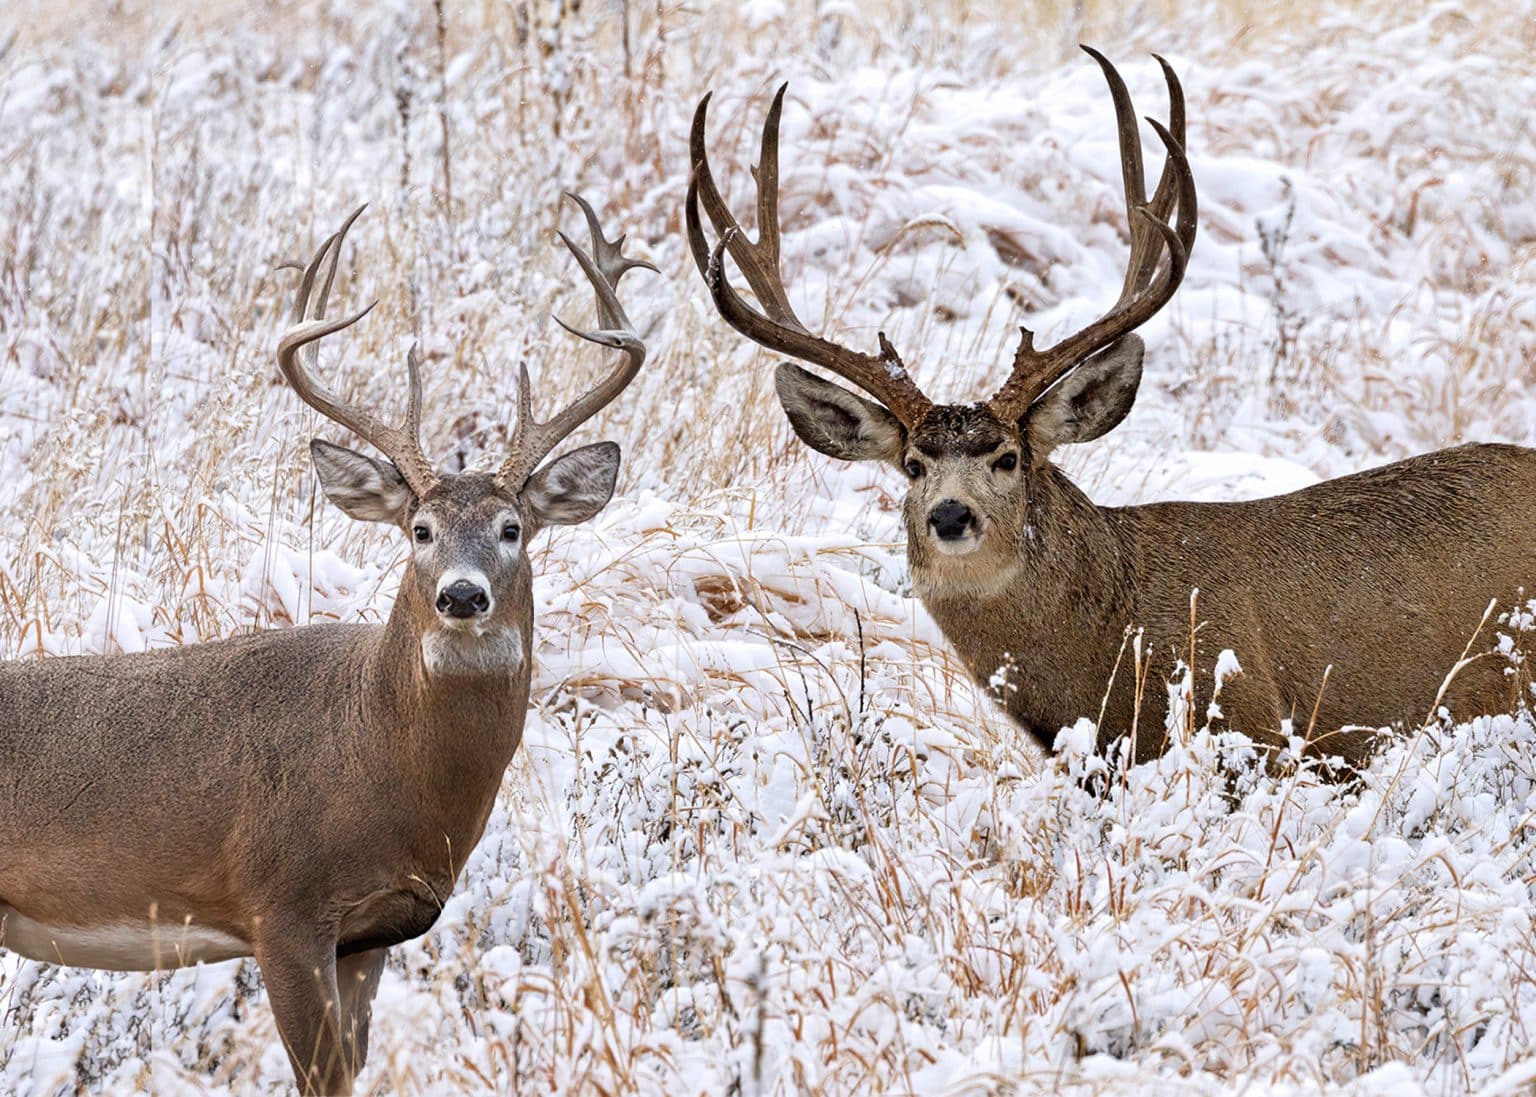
(763, 831)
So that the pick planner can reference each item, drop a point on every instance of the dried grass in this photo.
(938, 908)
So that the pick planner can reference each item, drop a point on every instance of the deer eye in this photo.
(914, 469)
(511, 531)
(1006, 463)
(421, 534)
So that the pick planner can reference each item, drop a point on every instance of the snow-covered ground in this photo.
(764, 837)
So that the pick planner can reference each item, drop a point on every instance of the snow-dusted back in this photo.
(764, 836)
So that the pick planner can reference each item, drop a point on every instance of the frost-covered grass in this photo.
(763, 833)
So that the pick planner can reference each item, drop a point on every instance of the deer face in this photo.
(968, 472)
(469, 536)
(965, 484)
(467, 586)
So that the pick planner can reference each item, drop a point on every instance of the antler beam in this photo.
(775, 324)
(298, 351)
(1149, 283)
(604, 267)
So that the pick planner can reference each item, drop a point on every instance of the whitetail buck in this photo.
(1346, 603)
(305, 796)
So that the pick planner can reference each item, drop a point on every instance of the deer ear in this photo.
(831, 419)
(574, 486)
(1090, 401)
(369, 490)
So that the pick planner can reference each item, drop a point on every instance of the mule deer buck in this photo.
(305, 796)
(1346, 603)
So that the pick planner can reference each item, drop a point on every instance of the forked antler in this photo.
(1147, 288)
(402, 445)
(604, 267)
(777, 327)
(1149, 282)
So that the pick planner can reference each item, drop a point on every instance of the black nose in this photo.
(951, 520)
(462, 599)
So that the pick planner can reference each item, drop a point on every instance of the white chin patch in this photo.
(962, 546)
(472, 651)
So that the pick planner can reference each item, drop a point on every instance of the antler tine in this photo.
(1149, 283)
(326, 257)
(1145, 240)
(413, 392)
(759, 262)
(609, 258)
(1163, 197)
(1125, 125)
(533, 441)
(1144, 246)
(775, 325)
(307, 279)
(298, 350)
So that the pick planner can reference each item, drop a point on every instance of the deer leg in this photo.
(357, 978)
(299, 970)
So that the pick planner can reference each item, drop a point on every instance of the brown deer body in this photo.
(1347, 604)
(305, 796)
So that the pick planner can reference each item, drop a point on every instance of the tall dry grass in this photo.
(764, 834)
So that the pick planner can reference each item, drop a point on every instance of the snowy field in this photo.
(764, 837)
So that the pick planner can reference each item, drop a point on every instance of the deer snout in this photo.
(463, 599)
(951, 520)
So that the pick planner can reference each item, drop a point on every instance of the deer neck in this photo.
(456, 731)
(1041, 630)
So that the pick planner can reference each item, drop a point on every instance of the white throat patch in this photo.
(468, 651)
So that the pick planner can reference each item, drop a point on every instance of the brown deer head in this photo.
(970, 467)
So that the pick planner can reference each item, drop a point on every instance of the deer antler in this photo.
(604, 267)
(401, 445)
(776, 327)
(1146, 289)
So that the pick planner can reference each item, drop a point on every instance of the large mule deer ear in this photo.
(831, 419)
(369, 490)
(1090, 401)
(574, 486)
